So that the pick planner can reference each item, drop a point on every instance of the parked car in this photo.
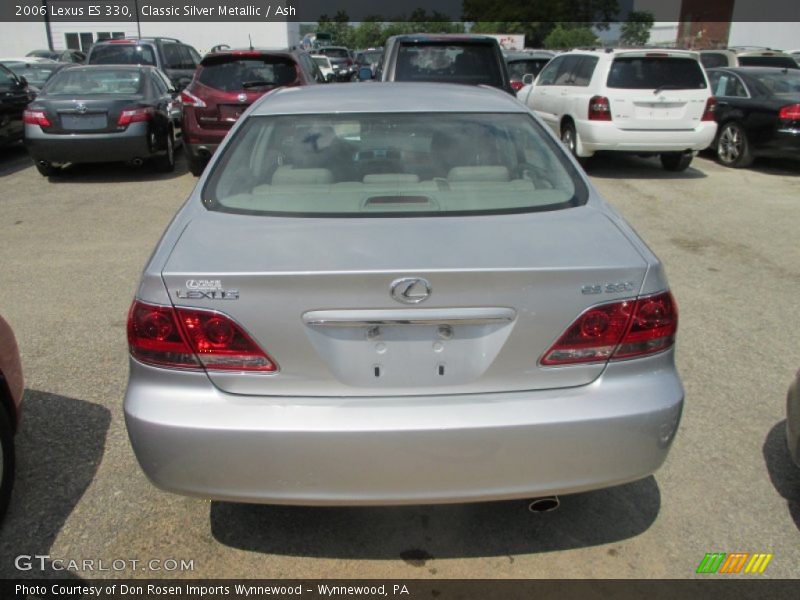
(226, 84)
(325, 66)
(68, 56)
(36, 73)
(758, 111)
(102, 113)
(11, 388)
(640, 101)
(341, 61)
(173, 57)
(525, 63)
(369, 58)
(793, 420)
(795, 55)
(447, 58)
(747, 57)
(15, 97)
(271, 362)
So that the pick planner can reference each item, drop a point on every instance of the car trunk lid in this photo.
(316, 294)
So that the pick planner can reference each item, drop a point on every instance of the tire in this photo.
(732, 147)
(6, 461)
(676, 161)
(196, 165)
(569, 137)
(166, 162)
(45, 168)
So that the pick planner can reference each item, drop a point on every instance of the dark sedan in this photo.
(14, 96)
(758, 111)
(35, 73)
(102, 113)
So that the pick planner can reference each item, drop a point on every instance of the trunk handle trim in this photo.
(422, 316)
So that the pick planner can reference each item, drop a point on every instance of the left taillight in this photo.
(188, 338)
(789, 113)
(135, 114)
(710, 110)
(516, 85)
(620, 330)
(35, 117)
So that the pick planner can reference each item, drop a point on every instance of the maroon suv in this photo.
(226, 83)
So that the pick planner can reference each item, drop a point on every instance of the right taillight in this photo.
(599, 109)
(789, 113)
(189, 99)
(619, 330)
(35, 117)
(711, 108)
(189, 338)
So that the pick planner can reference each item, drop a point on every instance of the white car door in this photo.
(541, 98)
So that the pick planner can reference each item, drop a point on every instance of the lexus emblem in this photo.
(410, 290)
(242, 97)
(81, 108)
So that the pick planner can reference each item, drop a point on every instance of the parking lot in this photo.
(74, 246)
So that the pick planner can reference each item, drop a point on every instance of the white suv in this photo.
(640, 101)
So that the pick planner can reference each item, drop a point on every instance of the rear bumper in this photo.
(607, 136)
(784, 143)
(193, 439)
(201, 151)
(88, 147)
(793, 420)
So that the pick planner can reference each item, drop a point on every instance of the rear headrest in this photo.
(391, 178)
(490, 173)
(290, 176)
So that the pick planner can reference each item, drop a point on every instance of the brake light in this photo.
(121, 41)
(189, 99)
(790, 113)
(192, 338)
(599, 109)
(249, 53)
(619, 330)
(135, 115)
(516, 85)
(35, 117)
(656, 55)
(349, 62)
(711, 108)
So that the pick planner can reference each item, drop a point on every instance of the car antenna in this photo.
(251, 41)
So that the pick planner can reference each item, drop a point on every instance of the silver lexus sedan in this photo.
(403, 294)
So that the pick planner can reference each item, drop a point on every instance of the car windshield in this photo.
(232, 73)
(768, 61)
(393, 165)
(122, 54)
(85, 82)
(371, 57)
(468, 63)
(649, 73)
(35, 73)
(322, 61)
(779, 83)
(519, 68)
(334, 52)
(6, 78)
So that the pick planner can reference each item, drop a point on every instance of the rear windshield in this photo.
(714, 59)
(6, 78)
(768, 61)
(780, 83)
(322, 61)
(84, 82)
(371, 56)
(458, 63)
(232, 73)
(519, 68)
(122, 54)
(35, 73)
(392, 165)
(334, 52)
(649, 73)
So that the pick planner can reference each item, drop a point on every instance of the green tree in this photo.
(636, 29)
(566, 36)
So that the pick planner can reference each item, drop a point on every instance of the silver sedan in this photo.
(414, 297)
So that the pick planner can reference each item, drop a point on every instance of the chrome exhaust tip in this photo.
(544, 504)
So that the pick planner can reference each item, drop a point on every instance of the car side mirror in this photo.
(364, 74)
(527, 79)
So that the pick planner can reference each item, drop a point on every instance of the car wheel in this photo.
(6, 461)
(569, 137)
(166, 162)
(196, 165)
(45, 168)
(733, 149)
(676, 161)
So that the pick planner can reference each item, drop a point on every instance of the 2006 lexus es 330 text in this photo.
(417, 297)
